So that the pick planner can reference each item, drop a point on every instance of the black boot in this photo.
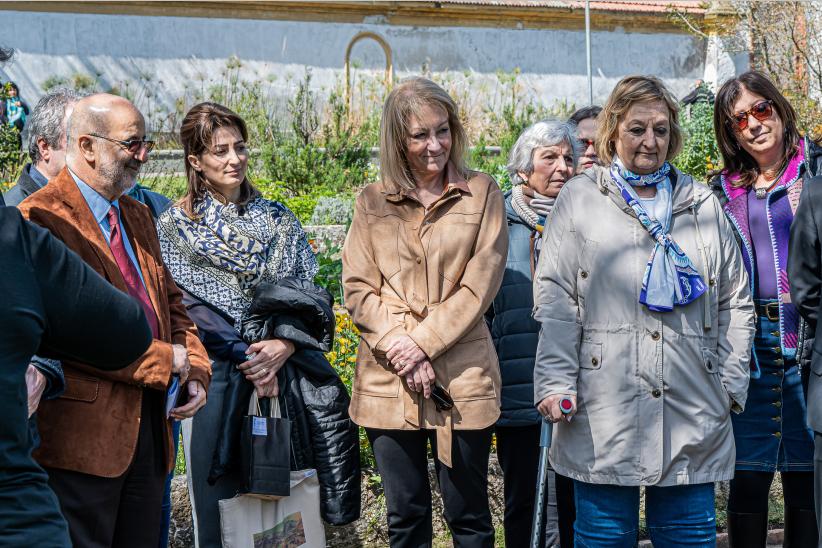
(800, 528)
(747, 530)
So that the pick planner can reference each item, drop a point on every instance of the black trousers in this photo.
(566, 510)
(123, 511)
(402, 460)
(518, 453)
(749, 491)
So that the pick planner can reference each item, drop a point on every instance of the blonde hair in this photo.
(407, 100)
(629, 91)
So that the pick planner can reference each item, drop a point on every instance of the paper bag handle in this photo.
(254, 409)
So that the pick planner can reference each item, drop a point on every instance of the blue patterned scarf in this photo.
(670, 277)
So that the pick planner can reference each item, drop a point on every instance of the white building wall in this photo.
(173, 53)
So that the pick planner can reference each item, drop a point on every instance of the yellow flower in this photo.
(352, 359)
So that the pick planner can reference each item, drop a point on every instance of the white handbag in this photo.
(253, 522)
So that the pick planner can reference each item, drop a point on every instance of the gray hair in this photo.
(46, 120)
(541, 134)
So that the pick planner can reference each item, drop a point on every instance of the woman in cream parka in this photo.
(646, 324)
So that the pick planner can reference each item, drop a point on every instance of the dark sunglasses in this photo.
(442, 399)
(761, 111)
(586, 143)
(132, 145)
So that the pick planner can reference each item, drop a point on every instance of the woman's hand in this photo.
(268, 389)
(549, 407)
(404, 354)
(420, 378)
(265, 358)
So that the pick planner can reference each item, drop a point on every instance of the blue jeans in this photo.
(166, 508)
(608, 515)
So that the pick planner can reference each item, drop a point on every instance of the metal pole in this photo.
(588, 50)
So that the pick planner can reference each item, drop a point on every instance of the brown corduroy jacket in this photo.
(92, 428)
(431, 274)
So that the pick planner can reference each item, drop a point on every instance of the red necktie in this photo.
(133, 282)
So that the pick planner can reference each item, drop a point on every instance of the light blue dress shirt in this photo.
(99, 209)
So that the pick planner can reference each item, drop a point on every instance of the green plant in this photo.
(329, 274)
(12, 158)
(343, 357)
(700, 153)
(314, 158)
(333, 210)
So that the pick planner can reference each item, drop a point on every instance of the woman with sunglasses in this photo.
(766, 162)
(422, 261)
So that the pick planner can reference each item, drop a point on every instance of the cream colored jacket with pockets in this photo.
(654, 389)
(430, 273)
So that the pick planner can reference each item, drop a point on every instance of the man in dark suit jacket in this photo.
(47, 150)
(38, 315)
(106, 442)
(805, 275)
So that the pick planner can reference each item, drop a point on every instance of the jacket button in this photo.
(656, 392)
(776, 419)
(583, 274)
(777, 434)
(777, 404)
(419, 260)
(594, 361)
(774, 333)
(655, 335)
(712, 282)
(777, 350)
(603, 190)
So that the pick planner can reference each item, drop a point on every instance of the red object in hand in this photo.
(566, 405)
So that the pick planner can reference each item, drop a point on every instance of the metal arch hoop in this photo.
(389, 64)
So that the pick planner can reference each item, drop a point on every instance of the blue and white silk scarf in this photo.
(670, 277)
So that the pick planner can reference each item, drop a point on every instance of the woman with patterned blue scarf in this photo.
(220, 242)
(766, 164)
(646, 325)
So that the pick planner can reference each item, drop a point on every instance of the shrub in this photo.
(700, 154)
(313, 158)
(329, 275)
(333, 210)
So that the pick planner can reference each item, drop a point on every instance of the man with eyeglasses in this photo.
(586, 122)
(106, 442)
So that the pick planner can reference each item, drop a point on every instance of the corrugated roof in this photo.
(637, 6)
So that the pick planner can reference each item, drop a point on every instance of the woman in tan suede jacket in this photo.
(421, 264)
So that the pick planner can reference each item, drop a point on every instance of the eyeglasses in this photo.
(585, 143)
(761, 111)
(132, 145)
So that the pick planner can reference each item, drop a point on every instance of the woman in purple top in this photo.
(766, 162)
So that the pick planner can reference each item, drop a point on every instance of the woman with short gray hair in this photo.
(542, 160)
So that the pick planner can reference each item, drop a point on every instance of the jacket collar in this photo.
(28, 183)
(453, 181)
(799, 163)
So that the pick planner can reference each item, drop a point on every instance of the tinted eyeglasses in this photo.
(132, 145)
(585, 143)
(761, 111)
